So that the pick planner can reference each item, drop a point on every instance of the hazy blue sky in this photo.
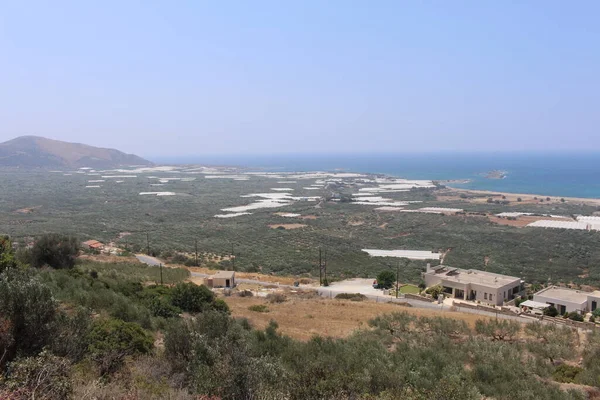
(176, 77)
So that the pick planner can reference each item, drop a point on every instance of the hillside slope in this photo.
(34, 151)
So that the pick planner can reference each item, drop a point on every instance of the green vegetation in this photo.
(435, 291)
(386, 279)
(72, 355)
(50, 202)
(410, 289)
(259, 308)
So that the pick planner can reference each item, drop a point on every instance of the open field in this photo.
(55, 202)
(304, 318)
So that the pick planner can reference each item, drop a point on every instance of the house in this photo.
(93, 245)
(221, 279)
(567, 300)
(474, 285)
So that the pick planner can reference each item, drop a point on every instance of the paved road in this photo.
(148, 260)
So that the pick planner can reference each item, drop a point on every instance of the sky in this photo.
(169, 78)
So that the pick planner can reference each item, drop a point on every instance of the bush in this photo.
(191, 297)
(596, 312)
(386, 279)
(259, 308)
(111, 340)
(56, 251)
(575, 316)
(162, 307)
(276, 298)
(435, 291)
(351, 296)
(550, 311)
(245, 293)
(7, 258)
(44, 376)
(566, 373)
(27, 311)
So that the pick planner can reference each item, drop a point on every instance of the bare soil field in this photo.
(286, 280)
(287, 226)
(304, 318)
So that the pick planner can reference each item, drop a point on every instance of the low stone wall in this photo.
(479, 307)
(417, 297)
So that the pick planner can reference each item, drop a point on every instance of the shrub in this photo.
(111, 340)
(550, 311)
(435, 291)
(27, 310)
(386, 279)
(245, 293)
(596, 312)
(7, 258)
(162, 307)
(56, 251)
(575, 316)
(351, 296)
(276, 298)
(566, 373)
(259, 308)
(191, 297)
(44, 376)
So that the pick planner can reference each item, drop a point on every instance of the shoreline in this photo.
(582, 200)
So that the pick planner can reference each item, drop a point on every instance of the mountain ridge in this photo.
(39, 152)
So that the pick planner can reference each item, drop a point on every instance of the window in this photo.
(505, 295)
(485, 296)
(490, 297)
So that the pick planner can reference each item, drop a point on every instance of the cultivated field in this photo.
(37, 202)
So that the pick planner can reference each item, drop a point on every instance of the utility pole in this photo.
(147, 244)
(397, 277)
(325, 268)
(161, 279)
(196, 249)
(233, 257)
(320, 269)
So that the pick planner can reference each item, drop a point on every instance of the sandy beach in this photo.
(527, 197)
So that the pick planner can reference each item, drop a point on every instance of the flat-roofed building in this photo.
(222, 279)
(593, 300)
(567, 300)
(474, 285)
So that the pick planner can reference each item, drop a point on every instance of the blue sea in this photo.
(553, 174)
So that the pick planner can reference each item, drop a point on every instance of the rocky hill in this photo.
(39, 152)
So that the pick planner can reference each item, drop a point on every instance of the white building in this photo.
(568, 300)
(474, 285)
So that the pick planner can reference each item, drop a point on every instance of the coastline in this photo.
(528, 196)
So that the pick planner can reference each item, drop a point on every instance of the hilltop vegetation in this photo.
(106, 331)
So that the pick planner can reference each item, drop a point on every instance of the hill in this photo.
(35, 151)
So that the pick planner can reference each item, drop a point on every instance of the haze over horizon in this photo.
(347, 77)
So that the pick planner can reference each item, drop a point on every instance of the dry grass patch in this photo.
(287, 226)
(304, 318)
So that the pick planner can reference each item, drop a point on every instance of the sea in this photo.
(548, 174)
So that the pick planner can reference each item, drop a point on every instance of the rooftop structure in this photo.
(410, 254)
(568, 300)
(93, 244)
(560, 224)
(225, 279)
(472, 284)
